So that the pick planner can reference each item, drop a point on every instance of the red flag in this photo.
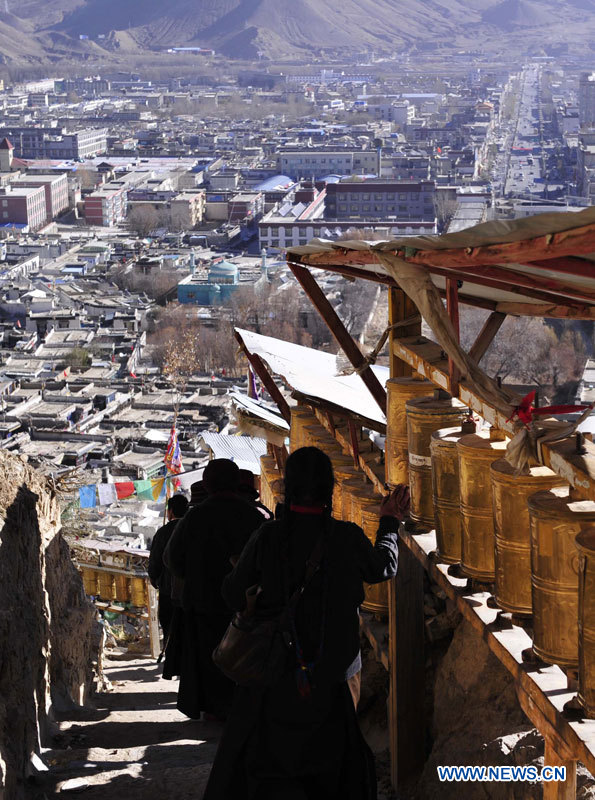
(132, 375)
(65, 374)
(124, 489)
(18, 323)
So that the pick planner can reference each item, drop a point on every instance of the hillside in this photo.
(287, 28)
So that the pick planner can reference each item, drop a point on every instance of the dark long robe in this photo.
(160, 576)
(199, 551)
(278, 744)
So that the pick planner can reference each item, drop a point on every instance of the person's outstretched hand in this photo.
(396, 504)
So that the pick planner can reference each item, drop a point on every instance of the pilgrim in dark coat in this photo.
(200, 551)
(299, 738)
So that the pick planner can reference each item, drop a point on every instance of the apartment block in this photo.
(378, 200)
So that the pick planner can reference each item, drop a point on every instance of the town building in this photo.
(380, 200)
(23, 207)
(55, 187)
(56, 142)
(107, 206)
(187, 210)
(310, 163)
(586, 100)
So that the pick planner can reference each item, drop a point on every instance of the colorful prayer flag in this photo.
(124, 489)
(173, 455)
(107, 493)
(87, 496)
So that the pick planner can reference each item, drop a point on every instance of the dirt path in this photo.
(132, 743)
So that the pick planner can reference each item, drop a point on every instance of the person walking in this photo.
(298, 738)
(200, 552)
(159, 574)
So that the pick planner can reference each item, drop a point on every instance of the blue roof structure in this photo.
(275, 182)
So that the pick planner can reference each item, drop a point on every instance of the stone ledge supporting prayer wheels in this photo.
(424, 416)
(301, 416)
(585, 543)
(376, 593)
(446, 494)
(476, 452)
(510, 493)
(556, 521)
(398, 392)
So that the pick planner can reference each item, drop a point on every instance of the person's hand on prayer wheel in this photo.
(396, 504)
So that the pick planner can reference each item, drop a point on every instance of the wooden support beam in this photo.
(486, 336)
(353, 435)
(559, 790)
(452, 307)
(508, 276)
(579, 267)
(573, 242)
(400, 308)
(407, 669)
(266, 378)
(340, 332)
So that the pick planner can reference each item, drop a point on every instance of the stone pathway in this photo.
(131, 743)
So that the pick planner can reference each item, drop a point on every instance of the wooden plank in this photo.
(579, 267)
(392, 705)
(558, 790)
(578, 470)
(523, 279)
(452, 307)
(407, 672)
(341, 334)
(573, 242)
(153, 619)
(486, 336)
(400, 307)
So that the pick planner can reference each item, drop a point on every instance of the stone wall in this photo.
(49, 637)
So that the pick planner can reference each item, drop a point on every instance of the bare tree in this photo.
(142, 220)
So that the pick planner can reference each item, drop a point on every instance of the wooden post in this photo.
(452, 306)
(400, 307)
(486, 335)
(406, 698)
(558, 790)
(340, 332)
(153, 619)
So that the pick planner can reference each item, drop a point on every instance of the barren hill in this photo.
(242, 28)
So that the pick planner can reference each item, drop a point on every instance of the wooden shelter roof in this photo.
(538, 266)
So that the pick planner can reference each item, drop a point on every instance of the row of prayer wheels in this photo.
(111, 586)
(526, 534)
(354, 499)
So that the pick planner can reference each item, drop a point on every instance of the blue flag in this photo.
(88, 497)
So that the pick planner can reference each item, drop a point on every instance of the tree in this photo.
(143, 220)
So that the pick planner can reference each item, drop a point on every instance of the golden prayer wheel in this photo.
(138, 592)
(342, 473)
(398, 392)
(446, 495)
(268, 475)
(318, 436)
(424, 416)
(301, 416)
(585, 543)
(510, 493)
(556, 521)
(107, 586)
(358, 499)
(356, 484)
(123, 591)
(476, 452)
(376, 593)
(90, 581)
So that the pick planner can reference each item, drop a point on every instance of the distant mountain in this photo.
(278, 28)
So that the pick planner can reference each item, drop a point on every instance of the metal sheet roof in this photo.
(314, 374)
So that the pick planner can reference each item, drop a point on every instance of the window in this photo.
(366, 197)
(4, 203)
(402, 197)
(342, 208)
(378, 196)
(5, 214)
(366, 207)
(355, 208)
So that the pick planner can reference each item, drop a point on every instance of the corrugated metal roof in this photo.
(244, 450)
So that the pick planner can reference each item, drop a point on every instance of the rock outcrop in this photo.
(49, 636)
